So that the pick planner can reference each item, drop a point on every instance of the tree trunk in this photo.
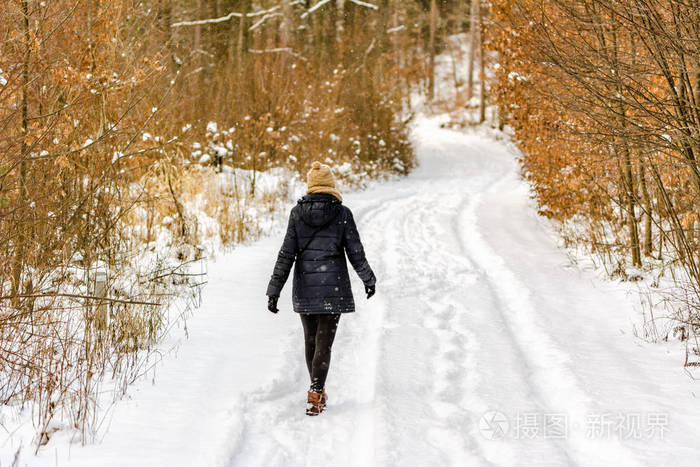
(286, 35)
(242, 52)
(631, 207)
(647, 247)
(198, 35)
(21, 237)
(339, 23)
(242, 48)
(623, 151)
(472, 47)
(382, 39)
(482, 72)
(167, 18)
(681, 246)
(287, 24)
(431, 49)
(696, 67)
(383, 25)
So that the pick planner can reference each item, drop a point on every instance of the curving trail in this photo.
(477, 312)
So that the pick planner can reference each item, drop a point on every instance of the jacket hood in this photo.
(318, 209)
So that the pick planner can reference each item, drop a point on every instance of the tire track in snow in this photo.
(534, 401)
(460, 177)
(556, 388)
(414, 237)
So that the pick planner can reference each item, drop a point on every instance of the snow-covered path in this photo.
(479, 324)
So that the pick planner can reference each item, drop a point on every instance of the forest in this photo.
(604, 101)
(132, 132)
(114, 116)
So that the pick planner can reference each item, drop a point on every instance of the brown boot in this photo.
(324, 398)
(313, 403)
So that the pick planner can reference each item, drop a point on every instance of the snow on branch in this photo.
(207, 21)
(314, 8)
(263, 19)
(227, 17)
(263, 12)
(323, 2)
(368, 5)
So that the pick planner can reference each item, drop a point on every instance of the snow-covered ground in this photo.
(483, 346)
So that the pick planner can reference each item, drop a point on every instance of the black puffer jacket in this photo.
(320, 232)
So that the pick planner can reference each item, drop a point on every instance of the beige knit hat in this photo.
(321, 180)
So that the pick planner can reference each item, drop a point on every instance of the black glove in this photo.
(272, 304)
(369, 290)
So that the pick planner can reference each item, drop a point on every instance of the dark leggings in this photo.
(319, 332)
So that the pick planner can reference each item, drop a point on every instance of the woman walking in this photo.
(320, 233)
